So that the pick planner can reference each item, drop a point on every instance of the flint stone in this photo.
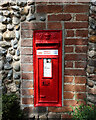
(10, 73)
(16, 20)
(10, 27)
(16, 8)
(1, 37)
(1, 18)
(91, 53)
(92, 38)
(3, 51)
(16, 76)
(8, 81)
(9, 58)
(93, 8)
(31, 2)
(1, 13)
(9, 35)
(90, 70)
(31, 17)
(15, 46)
(7, 66)
(17, 27)
(11, 87)
(4, 44)
(2, 27)
(17, 83)
(92, 32)
(24, 11)
(6, 13)
(23, 18)
(90, 83)
(17, 14)
(92, 26)
(9, 20)
(32, 9)
(14, 42)
(12, 3)
(18, 52)
(1, 64)
(94, 2)
(11, 51)
(4, 20)
(17, 34)
(91, 98)
(16, 66)
(42, 18)
(92, 46)
(4, 3)
(16, 58)
(22, 4)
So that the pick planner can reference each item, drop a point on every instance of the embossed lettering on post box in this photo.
(47, 63)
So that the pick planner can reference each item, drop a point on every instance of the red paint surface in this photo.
(47, 90)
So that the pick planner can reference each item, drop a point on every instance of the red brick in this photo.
(80, 64)
(75, 25)
(76, 41)
(27, 84)
(27, 76)
(59, 109)
(80, 96)
(80, 88)
(26, 67)
(26, 43)
(26, 33)
(81, 33)
(68, 79)
(81, 17)
(49, 8)
(26, 59)
(80, 80)
(59, 17)
(54, 25)
(27, 100)
(68, 95)
(76, 8)
(27, 92)
(26, 51)
(70, 102)
(70, 33)
(33, 26)
(81, 49)
(74, 72)
(68, 64)
(68, 87)
(75, 57)
(68, 49)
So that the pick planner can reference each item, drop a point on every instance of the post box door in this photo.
(48, 80)
(47, 63)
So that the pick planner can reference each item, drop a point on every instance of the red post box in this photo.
(47, 64)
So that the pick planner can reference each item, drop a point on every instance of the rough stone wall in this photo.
(91, 66)
(11, 16)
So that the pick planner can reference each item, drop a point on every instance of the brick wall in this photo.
(72, 19)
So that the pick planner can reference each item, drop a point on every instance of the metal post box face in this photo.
(47, 64)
